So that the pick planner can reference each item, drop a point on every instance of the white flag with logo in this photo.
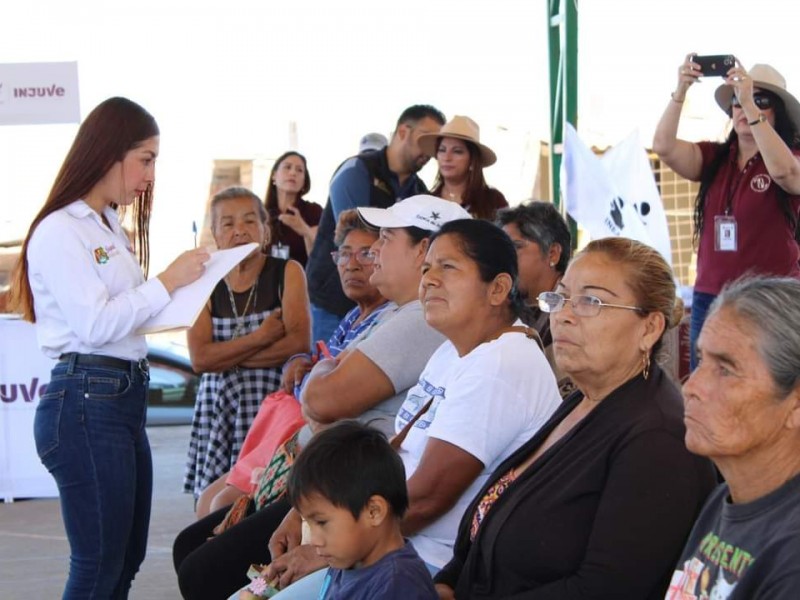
(592, 198)
(629, 168)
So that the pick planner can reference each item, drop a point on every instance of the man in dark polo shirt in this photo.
(376, 178)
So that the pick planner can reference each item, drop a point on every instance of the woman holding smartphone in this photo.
(80, 279)
(746, 210)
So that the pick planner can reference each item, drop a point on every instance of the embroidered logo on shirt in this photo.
(100, 255)
(760, 183)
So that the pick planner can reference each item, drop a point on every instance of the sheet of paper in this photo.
(187, 301)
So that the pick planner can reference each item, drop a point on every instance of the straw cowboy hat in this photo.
(768, 79)
(462, 128)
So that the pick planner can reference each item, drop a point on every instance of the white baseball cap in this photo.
(423, 211)
(372, 141)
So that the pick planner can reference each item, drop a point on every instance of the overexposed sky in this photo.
(226, 79)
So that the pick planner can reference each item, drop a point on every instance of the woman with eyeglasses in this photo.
(746, 211)
(598, 503)
(355, 262)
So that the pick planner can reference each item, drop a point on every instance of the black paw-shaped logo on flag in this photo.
(616, 212)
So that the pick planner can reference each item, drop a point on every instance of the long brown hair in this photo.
(108, 133)
(477, 198)
(271, 201)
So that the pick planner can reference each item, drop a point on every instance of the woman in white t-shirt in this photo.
(484, 392)
(80, 279)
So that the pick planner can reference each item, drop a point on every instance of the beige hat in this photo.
(766, 78)
(462, 128)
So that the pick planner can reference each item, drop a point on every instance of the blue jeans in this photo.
(90, 434)
(700, 305)
(323, 324)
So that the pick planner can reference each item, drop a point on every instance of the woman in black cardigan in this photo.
(599, 502)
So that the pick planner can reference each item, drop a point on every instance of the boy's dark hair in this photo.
(347, 464)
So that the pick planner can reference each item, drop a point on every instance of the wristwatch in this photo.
(760, 119)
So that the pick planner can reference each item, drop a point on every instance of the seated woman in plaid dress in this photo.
(257, 317)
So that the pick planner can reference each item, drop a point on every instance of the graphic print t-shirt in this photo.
(743, 551)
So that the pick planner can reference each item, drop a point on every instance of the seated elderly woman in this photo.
(543, 242)
(483, 393)
(257, 317)
(598, 503)
(369, 382)
(353, 239)
(743, 411)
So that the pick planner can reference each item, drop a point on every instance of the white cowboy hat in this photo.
(766, 78)
(462, 128)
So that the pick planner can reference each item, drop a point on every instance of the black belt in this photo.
(98, 360)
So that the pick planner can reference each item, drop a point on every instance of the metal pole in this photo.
(562, 20)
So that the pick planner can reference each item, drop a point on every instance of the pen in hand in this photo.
(194, 231)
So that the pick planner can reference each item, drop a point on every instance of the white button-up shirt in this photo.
(88, 290)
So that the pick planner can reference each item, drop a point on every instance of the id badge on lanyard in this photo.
(725, 233)
(280, 251)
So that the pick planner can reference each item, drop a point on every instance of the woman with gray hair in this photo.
(543, 242)
(257, 317)
(742, 410)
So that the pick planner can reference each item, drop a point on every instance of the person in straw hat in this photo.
(462, 158)
(746, 211)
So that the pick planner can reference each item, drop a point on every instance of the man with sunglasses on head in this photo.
(746, 211)
(376, 178)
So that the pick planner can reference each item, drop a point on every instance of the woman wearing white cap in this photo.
(462, 158)
(747, 208)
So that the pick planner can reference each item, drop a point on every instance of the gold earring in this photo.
(646, 363)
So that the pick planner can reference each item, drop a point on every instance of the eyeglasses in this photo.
(763, 101)
(583, 306)
(363, 257)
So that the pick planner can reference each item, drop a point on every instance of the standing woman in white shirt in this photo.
(81, 281)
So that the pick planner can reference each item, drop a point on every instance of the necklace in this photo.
(252, 297)
(452, 196)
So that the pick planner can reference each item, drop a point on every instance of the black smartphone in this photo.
(716, 65)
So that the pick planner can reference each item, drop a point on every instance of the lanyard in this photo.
(734, 179)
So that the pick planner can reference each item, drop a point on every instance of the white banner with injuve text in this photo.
(39, 93)
(24, 374)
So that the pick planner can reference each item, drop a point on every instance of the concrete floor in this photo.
(34, 553)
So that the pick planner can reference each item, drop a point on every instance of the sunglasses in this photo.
(763, 101)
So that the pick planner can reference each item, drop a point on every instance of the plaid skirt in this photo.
(226, 405)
